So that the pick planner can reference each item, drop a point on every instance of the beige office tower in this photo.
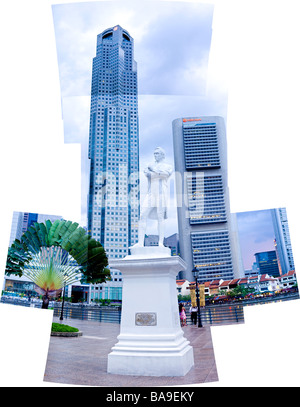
(207, 240)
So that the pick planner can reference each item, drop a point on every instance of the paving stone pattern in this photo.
(83, 360)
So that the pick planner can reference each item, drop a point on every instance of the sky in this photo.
(171, 47)
(172, 42)
(256, 234)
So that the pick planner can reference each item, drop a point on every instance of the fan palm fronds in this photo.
(57, 254)
(50, 272)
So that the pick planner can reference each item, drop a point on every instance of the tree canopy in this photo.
(88, 253)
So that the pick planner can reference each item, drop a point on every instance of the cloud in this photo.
(76, 118)
(171, 43)
(256, 234)
(174, 54)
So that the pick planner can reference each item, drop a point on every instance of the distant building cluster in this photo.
(279, 261)
(21, 221)
(260, 284)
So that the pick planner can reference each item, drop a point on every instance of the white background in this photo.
(254, 54)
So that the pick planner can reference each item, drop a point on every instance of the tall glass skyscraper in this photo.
(21, 221)
(267, 263)
(113, 202)
(283, 244)
(206, 239)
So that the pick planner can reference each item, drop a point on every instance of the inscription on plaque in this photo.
(145, 319)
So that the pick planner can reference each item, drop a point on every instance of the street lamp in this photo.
(195, 273)
(62, 305)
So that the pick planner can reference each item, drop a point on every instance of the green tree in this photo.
(240, 291)
(186, 298)
(54, 255)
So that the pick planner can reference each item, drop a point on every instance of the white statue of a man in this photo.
(155, 203)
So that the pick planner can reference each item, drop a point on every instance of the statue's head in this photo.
(159, 154)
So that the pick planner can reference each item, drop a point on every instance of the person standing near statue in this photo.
(182, 315)
(155, 203)
(194, 314)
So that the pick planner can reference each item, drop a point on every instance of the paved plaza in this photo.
(83, 360)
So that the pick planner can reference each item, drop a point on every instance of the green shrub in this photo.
(56, 327)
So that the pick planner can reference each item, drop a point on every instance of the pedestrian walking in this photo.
(182, 314)
(194, 314)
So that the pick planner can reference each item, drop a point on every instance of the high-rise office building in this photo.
(171, 241)
(206, 239)
(113, 202)
(283, 244)
(267, 263)
(21, 221)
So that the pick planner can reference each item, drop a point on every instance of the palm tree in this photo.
(54, 255)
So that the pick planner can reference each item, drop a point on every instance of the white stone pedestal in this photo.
(151, 340)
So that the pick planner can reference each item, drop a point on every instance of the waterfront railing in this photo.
(101, 313)
(214, 314)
